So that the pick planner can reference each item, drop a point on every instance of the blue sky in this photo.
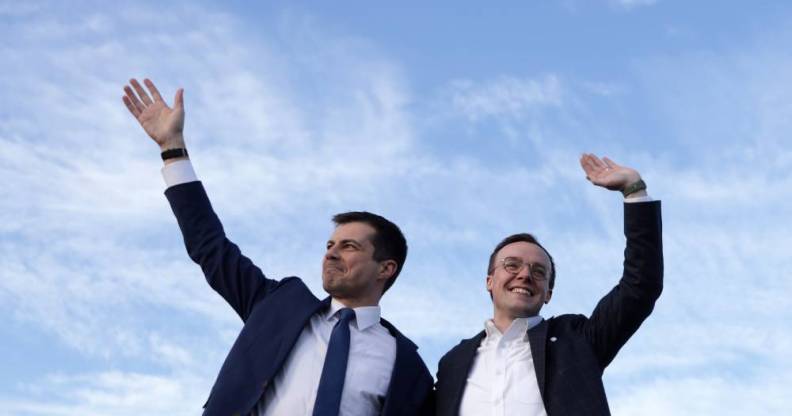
(462, 123)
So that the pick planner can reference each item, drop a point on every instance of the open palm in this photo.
(162, 123)
(607, 173)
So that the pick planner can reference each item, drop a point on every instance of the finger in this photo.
(583, 165)
(131, 107)
(141, 92)
(583, 160)
(611, 164)
(589, 165)
(133, 98)
(154, 92)
(178, 100)
(597, 161)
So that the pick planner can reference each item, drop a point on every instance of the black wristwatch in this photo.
(174, 153)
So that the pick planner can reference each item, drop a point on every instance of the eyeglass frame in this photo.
(542, 278)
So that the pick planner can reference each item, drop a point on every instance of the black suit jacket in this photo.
(275, 313)
(570, 352)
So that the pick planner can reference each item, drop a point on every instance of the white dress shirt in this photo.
(502, 380)
(372, 353)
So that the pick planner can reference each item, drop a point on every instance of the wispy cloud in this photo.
(109, 393)
(290, 124)
(505, 96)
(90, 252)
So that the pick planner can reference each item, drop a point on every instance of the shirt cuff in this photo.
(178, 172)
(634, 199)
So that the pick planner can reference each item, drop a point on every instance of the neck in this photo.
(502, 321)
(357, 302)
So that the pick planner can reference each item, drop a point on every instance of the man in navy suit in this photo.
(522, 364)
(296, 354)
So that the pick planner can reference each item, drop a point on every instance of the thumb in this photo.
(178, 100)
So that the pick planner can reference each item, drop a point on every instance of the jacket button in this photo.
(553, 339)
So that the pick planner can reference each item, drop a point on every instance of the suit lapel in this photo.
(277, 324)
(458, 373)
(295, 328)
(404, 374)
(537, 337)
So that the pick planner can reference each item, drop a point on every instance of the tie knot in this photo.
(346, 314)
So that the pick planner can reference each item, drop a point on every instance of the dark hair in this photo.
(528, 238)
(389, 242)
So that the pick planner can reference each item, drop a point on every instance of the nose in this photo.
(525, 272)
(332, 253)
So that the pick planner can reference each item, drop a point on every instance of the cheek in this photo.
(359, 266)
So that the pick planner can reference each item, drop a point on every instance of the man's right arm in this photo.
(227, 271)
(619, 313)
(230, 273)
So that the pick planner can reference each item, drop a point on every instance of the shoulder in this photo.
(402, 342)
(567, 322)
(293, 282)
(288, 293)
(410, 379)
(405, 348)
(458, 351)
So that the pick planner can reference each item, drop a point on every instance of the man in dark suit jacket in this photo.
(275, 365)
(522, 364)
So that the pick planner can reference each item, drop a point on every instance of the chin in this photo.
(329, 286)
(527, 312)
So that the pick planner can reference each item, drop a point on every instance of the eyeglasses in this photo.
(513, 265)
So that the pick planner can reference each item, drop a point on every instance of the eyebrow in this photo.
(346, 240)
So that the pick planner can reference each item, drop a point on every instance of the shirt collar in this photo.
(517, 330)
(365, 316)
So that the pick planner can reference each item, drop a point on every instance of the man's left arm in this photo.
(619, 314)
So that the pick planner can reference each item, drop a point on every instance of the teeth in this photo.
(523, 291)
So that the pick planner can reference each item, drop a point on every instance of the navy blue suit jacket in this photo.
(570, 352)
(274, 313)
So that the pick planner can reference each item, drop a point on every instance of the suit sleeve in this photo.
(619, 314)
(227, 271)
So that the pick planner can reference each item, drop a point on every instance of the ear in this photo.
(549, 295)
(387, 269)
(489, 283)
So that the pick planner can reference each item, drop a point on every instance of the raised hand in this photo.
(163, 124)
(607, 173)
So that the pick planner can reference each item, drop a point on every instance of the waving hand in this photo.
(607, 173)
(165, 125)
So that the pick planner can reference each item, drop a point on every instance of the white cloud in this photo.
(91, 253)
(722, 394)
(723, 304)
(108, 393)
(290, 126)
(505, 96)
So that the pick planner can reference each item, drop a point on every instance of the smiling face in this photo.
(349, 272)
(519, 295)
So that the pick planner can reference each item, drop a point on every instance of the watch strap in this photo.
(174, 153)
(634, 187)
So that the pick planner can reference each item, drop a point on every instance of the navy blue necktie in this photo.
(331, 384)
